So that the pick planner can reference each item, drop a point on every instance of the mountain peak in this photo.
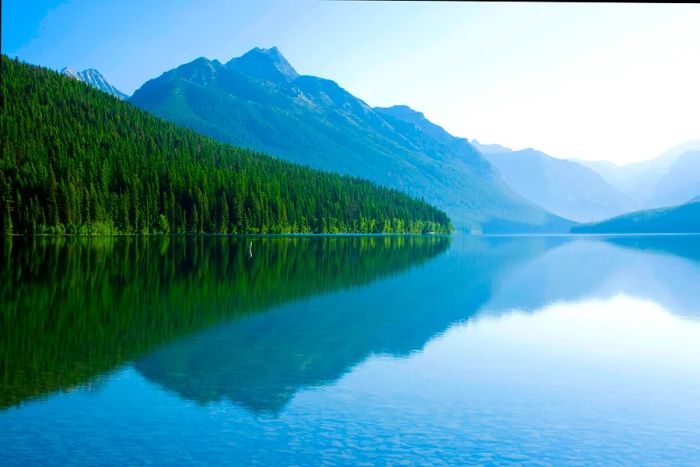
(201, 64)
(268, 64)
(201, 71)
(95, 79)
(273, 52)
(68, 71)
(92, 76)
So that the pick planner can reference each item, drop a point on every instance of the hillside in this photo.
(77, 160)
(562, 187)
(680, 183)
(259, 101)
(676, 219)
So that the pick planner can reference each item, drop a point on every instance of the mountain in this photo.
(562, 187)
(684, 218)
(81, 161)
(259, 101)
(268, 64)
(95, 79)
(681, 181)
(489, 148)
(640, 180)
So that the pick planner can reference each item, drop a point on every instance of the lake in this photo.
(350, 350)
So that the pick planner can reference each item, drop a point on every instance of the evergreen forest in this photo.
(75, 160)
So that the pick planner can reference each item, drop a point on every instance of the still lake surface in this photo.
(345, 350)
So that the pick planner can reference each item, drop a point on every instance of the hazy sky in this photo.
(614, 81)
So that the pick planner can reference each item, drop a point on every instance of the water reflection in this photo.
(662, 269)
(260, 362)
(594, 382)
(685, 246)
(485, 350)
(75, 308)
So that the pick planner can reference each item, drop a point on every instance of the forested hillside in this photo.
(260, 102)
(76, 160)
(675, 219)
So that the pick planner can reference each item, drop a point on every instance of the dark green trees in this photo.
(74, 308)
(76, 160)
(671, 220)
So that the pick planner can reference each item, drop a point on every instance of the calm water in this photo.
(489, 350)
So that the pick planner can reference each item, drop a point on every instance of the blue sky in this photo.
(614, 81)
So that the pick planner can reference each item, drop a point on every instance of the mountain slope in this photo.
(676, 219)
(259, 101)
(640, 180)
(489, 148)
(96, 80)
(680, 183)
(81, 161)
(562, 187)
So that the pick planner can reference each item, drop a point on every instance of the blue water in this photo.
(522, 350)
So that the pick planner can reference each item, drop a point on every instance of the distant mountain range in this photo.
(259, 101)
(680, 182)
(563, 187)
(95, 79)
(684, 218)
(672, 178)
(591, 191)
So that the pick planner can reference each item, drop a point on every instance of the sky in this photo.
(616, 82)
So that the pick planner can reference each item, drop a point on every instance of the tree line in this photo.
(79, 161)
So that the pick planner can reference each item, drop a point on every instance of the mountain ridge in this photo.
(560, 186)
(640, 180)
(259, 102)
(268, 63)
(684, 218)
(94, 78)
(84, 162)
(680, 182)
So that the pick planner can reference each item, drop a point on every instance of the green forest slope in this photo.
(675, 219)
(76, 160)
(259, 102)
